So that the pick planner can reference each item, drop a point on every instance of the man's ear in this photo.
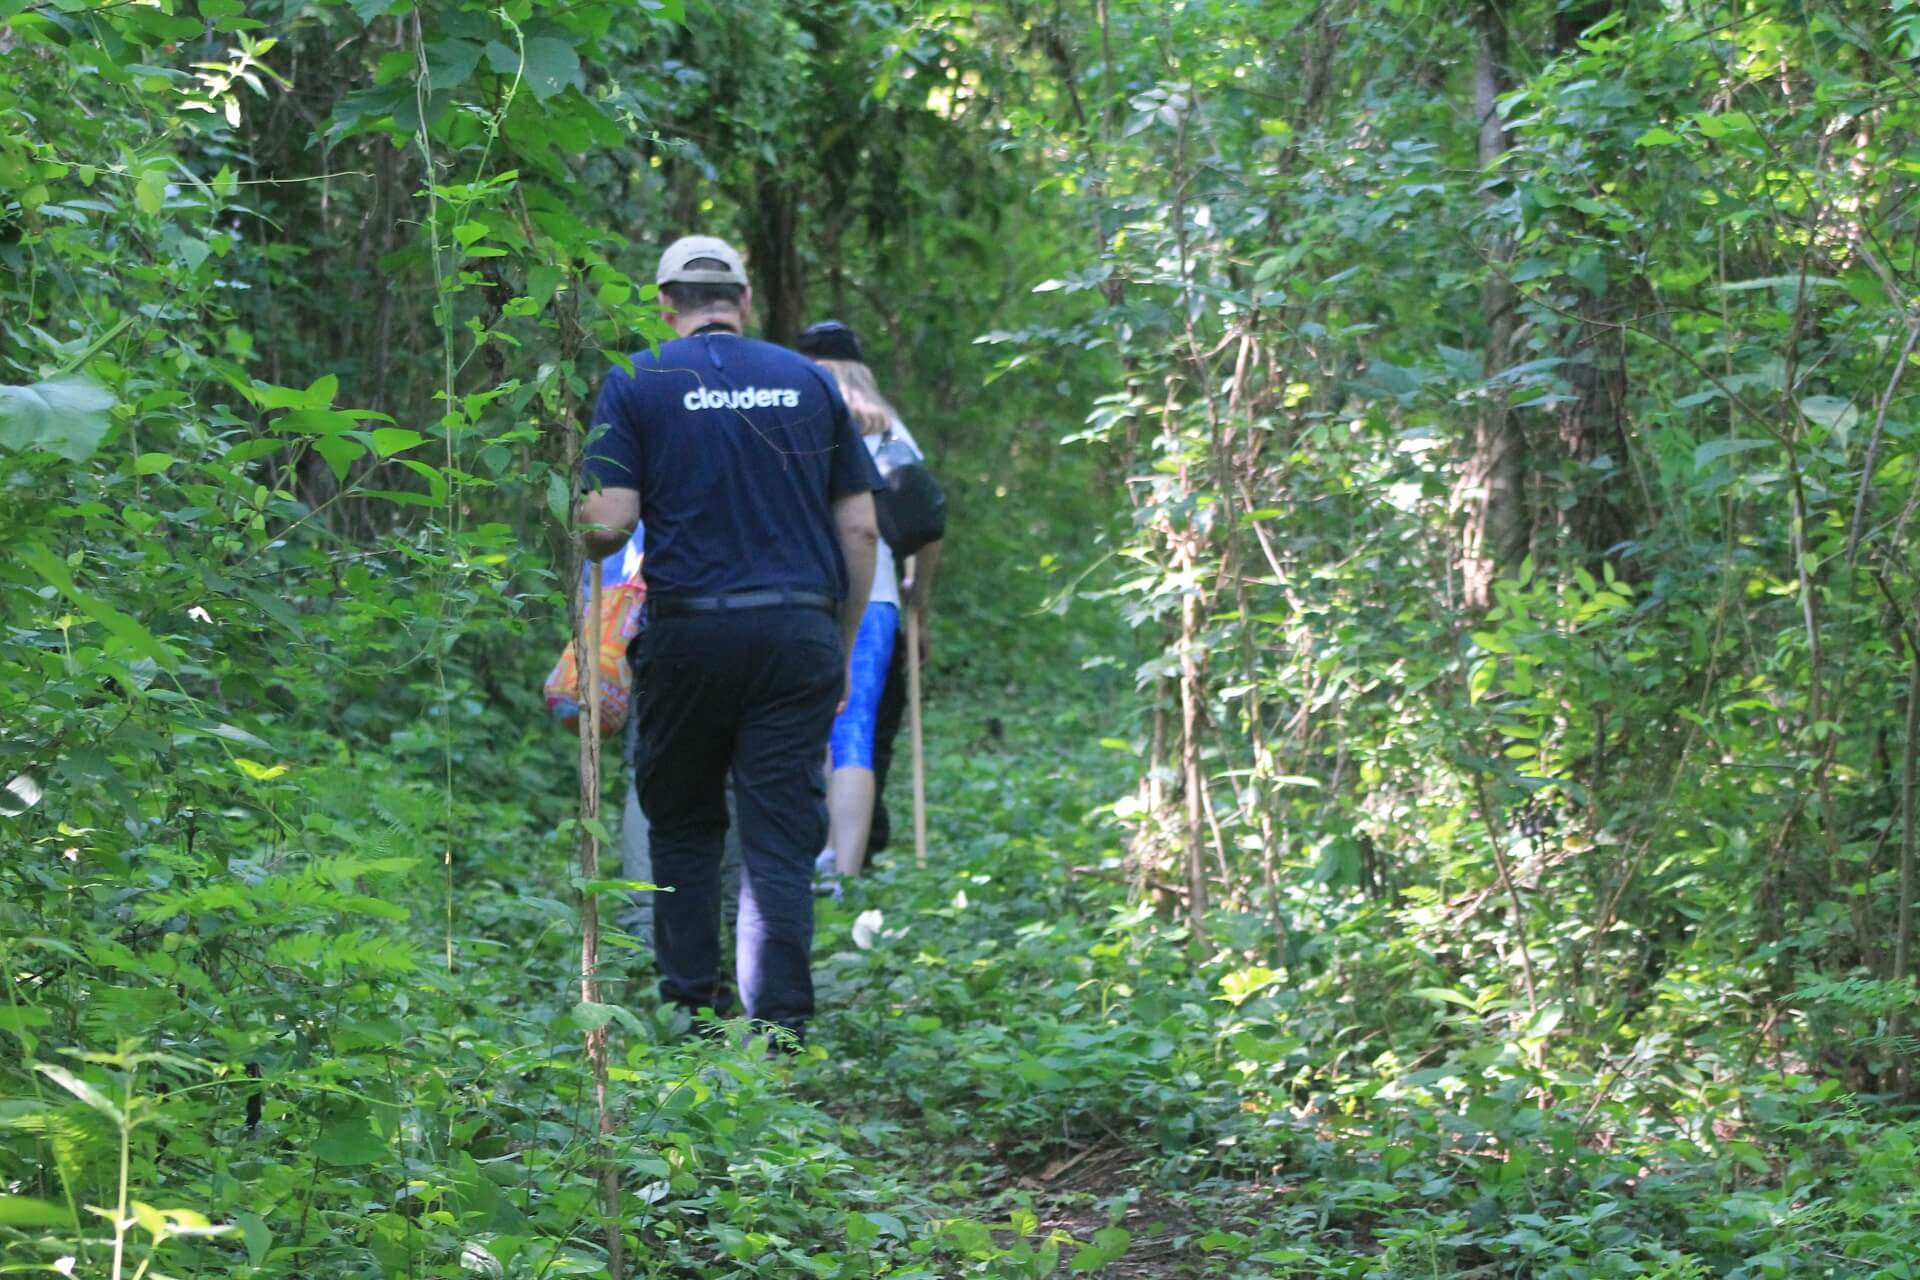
(746, 309)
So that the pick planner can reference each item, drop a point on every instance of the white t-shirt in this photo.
(886, 574)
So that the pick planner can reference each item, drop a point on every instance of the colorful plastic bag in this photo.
(619, 623)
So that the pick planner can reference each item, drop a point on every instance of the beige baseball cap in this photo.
(674, 268)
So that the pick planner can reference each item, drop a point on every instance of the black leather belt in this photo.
(668, 606)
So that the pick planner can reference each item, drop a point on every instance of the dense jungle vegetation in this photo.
(1425, 703)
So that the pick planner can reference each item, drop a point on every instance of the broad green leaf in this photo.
(1835, 413)
(150, 193)
(405, 498)
(19, 1211)
(191, 252)
(1441, 995)
(551, 66)
(593, 887)
(340, 454)
(317, 396)
(349, 1141)
(231, 733)
(258, 1239)
(1547, 1020)
(1242, 983)
(591, 1017)
(1714, 450)
(257, 771)
(388, 441)
(543, 281)
(151, 1220)
(129, 632)
(1724, 124)
(66, 415)
(436, 483)
(250, 450)
(80, 1089)
(1109, 1244)
(16, 1022)
(152, 464)
(1482, 679)
(451, 62)
(500, 59)
(890, 1226)
(316, 422)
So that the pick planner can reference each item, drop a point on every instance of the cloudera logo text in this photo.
(744, 398)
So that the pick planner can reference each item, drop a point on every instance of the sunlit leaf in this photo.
(257, 771)
(20, 1211)
(65, 415)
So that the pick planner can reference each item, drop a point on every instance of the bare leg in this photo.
(849, 815)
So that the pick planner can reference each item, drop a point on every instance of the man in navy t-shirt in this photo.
(758, 497)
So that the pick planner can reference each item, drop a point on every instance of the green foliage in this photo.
(298, 312)
(1519, 558)
(1557, 837)
(1280, 1125)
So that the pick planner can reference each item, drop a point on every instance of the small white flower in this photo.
(866, 927)
(64, 1265)
(199, 615)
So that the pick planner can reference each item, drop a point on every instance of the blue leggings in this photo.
(872, 652)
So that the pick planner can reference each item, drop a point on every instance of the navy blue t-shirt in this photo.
(738, 449)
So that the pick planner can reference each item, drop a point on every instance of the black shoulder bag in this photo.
(913, 507)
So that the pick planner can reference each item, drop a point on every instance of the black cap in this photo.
(830, 340)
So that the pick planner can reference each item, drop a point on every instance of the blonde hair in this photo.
(869, 408)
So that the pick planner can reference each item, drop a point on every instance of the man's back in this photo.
(757, 496)
(738, 448)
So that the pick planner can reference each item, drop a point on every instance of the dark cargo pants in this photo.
(752, 692)
(636, 857)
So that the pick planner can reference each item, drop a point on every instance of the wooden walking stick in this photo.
(913, 721)
(586, 675)
(586, 650)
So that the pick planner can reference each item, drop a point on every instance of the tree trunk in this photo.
(1491, 491)
(1191, 692)
(773, 251)
(1592, 429)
